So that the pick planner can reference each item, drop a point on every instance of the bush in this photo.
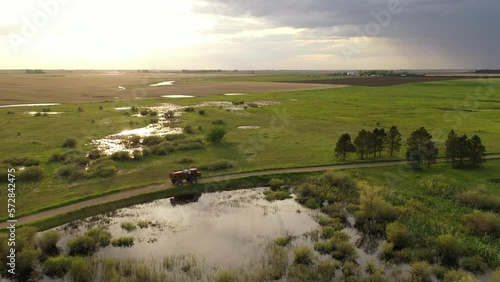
(217, 165)
(332, 222)
(94, 154)
(103, 167)
(81, 270)
(421, 271)
(47, 242)
(201, 112)
(227, 275)
(479, 199)
(449, 249)
(283, 241)
(482, 223)
(123, 242)
(72, 173)
(440, 185)
(120, 156)
(303, 255)
(276, 183)
(218, 122)
(76, 159)
(32, 174)
(216, 135)
(137, 155)
(129, 226)
(22, 161)
(474, 264)
(82, 245)
(69, 143)
(398, 234)
(189, 109)
(345, 251)
(188, 129)
(57, 267)
(277, 195)
(56, 157)
(100, 236)
(152, 140)
(169, 114)
(189, 146)
(143, 224)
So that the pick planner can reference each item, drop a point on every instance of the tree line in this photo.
(421, 149)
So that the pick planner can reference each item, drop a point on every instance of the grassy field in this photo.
(299, 131)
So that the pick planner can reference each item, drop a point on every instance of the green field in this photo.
(299, 131)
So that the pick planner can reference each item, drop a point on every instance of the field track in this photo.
(154, 188)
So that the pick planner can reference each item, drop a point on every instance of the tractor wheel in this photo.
(193, 180)
(179, 183)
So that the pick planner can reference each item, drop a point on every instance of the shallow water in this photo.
(165, 83)
(225, 229)
(177, 96)
(248, 127)
(235, 94)
(43, 113)
(30, 105)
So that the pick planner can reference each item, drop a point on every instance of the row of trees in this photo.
(369, 142)
(421, 149)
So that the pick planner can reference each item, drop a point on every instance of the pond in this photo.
(225, 229)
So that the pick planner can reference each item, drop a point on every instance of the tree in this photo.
(216, 135)
(344, 146)
(451, 147)
(378, 141)
(462, 147)
(477, 151)
(421, 149)
(362, 143)
(393, 140)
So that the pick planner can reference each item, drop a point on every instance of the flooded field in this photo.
(226, 229)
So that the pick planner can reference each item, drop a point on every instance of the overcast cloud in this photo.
(263, 34)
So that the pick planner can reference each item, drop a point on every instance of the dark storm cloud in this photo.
(463, 30)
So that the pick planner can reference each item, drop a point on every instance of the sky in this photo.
(249, 34)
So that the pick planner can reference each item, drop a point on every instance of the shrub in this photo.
(57, 267)
(283, 241)
(345, 251)
(449, 249)
(69, 143)
(100, 236)
(189, 109)
(276, 183)
(137, 155)
(312, 204)
(175, 137)
(218, 122)
(22, 161)
(129, 226)
(27, 260)
(189, 146)
(47, 242)
(76, 159)
(152, 140)
(332, 222)
(227, 275)
(120, 156)
(32, 174)
(71, 172)
(103, 167)
(327, 232)
(82, 245)
(201, 112)
(169, 114)
(440, 185)
(479, 199)
(398, 234)
(474, 264)
(421, 271)
(94, 154)
(56, 157)
(188, 129)
(81, 270)
(482, 223)
(277, 195)
(303, 255)
(217, 165)
(216, 135)
(143, 224)
(123, 242)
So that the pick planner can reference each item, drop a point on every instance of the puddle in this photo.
(235, 94)
(225, 229)
(43, 113)
(248, 127)
(120, 141)
(30, 105)
(121, 88)
(177, 96)
(165, 83)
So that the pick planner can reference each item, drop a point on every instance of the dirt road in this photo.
(154, 188)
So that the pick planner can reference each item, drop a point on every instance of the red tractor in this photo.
(190, 175)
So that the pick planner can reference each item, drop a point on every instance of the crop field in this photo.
(94, 86)
(280, 130)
